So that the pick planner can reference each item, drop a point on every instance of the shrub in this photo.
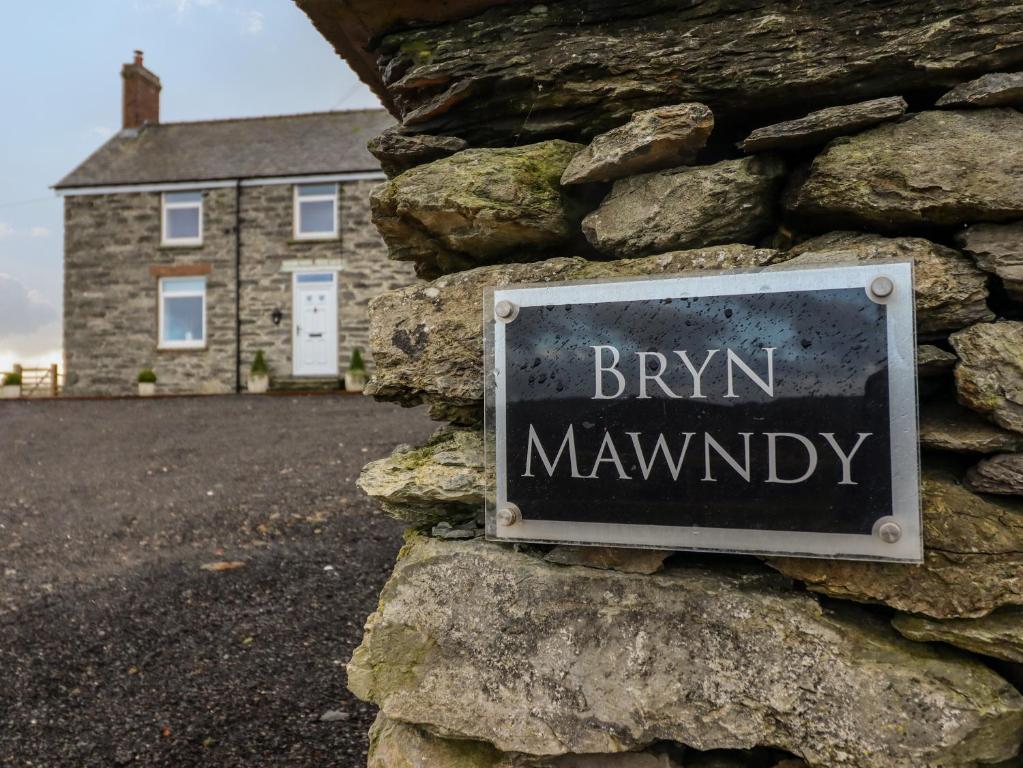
(259, 367)
(12, 379)
(356, 364)
(146, 376)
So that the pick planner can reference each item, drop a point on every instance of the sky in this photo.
(61, 94)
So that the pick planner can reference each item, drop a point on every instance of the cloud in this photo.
(24, 312)
(102, 131)
(252, 23)
(39, 232)
(6, 230)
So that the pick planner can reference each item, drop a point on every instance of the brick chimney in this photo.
(141, 94)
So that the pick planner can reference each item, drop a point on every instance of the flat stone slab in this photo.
(989, 376)
(474, 640)
(398, 152)
(579, 67)
(973, 558)
(932, 168)
(652, 139)
(479, 206)
(951, 292)
(997, 248)
(440, 481)
(996, 89)
(1001, 474)
(947, 426)
(733, 201)
(823, 125)
(999, 634)
(933, 361)
(395, 744)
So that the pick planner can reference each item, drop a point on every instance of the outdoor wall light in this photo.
(277, 316)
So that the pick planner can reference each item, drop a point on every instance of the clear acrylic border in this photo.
(905, 449)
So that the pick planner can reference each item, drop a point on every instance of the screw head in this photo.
(508, 515)
(882, 287)
(890, 532)
(505, 310)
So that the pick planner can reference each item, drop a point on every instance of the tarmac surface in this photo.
(182, 580)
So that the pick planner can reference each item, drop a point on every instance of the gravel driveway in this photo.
(182, 580)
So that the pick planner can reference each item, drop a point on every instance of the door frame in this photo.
(333, 272)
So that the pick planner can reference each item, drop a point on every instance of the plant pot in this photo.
(147, 389)
(258, 384)
(355, 381)
(11, 391)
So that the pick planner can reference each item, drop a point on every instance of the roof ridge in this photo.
(267, 117)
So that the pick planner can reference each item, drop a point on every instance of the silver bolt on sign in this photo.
(882, 287)
(505, 311)
(890, 532)
(508, 515)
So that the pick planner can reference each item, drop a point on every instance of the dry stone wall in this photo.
(482, 654)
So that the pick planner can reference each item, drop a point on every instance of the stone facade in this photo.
(111, 294)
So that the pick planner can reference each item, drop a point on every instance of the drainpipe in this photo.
(238, 285)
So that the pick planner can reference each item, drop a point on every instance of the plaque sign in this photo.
(768, 412)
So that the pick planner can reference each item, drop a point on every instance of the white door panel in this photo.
(315, 313)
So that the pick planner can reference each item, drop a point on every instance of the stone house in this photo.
(190, 246)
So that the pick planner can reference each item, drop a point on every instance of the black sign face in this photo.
(769, 412)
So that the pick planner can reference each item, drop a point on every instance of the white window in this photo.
(315, 211)
(182, 218)
(182, 312)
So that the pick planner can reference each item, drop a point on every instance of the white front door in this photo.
(315, 319)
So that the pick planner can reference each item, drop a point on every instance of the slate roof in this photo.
(288, 145)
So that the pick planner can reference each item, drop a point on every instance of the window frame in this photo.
(296, 224)
(161, 342)
(166, 206)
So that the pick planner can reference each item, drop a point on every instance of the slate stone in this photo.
(479, 206)
(626, 560)
(427, 340)
(950, 291)
(733, 201)
(441, 481)
(999, 634)
(995, 89)
(973, 561)
(947, 426)
(652, 139)
(933, 168)
(581, 67)
(997, 248)
(1002, 474)
(397, 152)
(823, 125)
(933, 361)
(989, 376)
(477, 641)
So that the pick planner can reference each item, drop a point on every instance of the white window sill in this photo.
(180, 243)
(180, 347)
(320, 236)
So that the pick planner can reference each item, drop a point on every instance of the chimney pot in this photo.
(141, 94)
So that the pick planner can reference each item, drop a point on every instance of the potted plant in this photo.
(147, 383)
(355, 376)
(12, 385)
(259, 375)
